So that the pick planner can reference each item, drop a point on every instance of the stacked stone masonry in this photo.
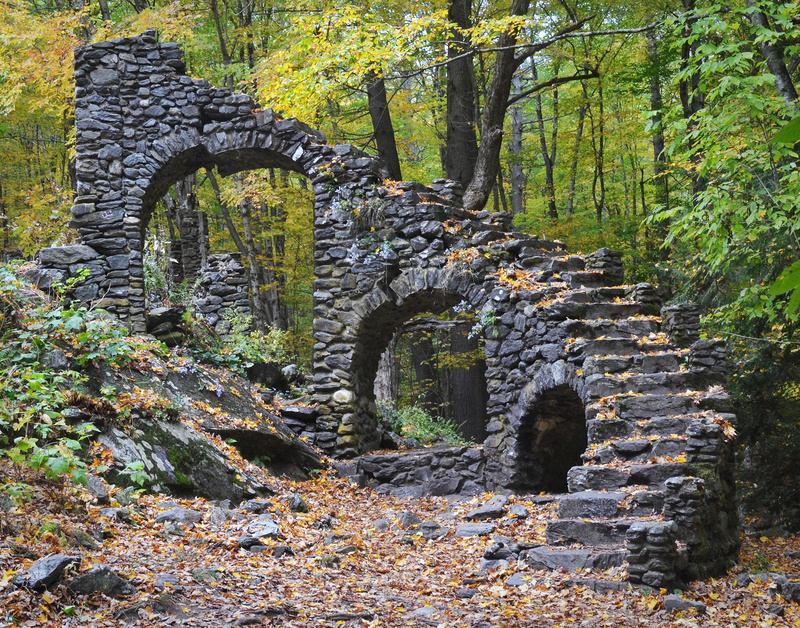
(587, 393)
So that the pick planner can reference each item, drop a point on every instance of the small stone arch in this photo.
(548, 434)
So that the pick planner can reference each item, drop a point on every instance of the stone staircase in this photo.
(645, 401)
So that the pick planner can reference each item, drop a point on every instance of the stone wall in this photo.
(415, 473)
(221, 287)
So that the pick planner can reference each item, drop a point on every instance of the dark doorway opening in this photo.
(551, 439)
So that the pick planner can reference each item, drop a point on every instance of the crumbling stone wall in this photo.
(221, 288)
(579, 366)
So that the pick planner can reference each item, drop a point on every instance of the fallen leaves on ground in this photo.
(344, 571)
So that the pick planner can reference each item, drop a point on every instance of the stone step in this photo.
(587, 532)
(641, 363)
(616, 311)
(610, 504)
(569, 559)
(638, 450)
(586, 279)
(596, 478)
(651, 405)
(598, 431)
(569, 264)
(597, 328)
(605, 346)
(590, 504)
(650, 384)
(603, 477)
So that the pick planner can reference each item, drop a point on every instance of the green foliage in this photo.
(416, 422)
(136, 474)
(736, 231)
(765, 385)
(254, 345)
(33, 427)
(242, 346)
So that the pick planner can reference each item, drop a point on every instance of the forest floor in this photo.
(345, 571)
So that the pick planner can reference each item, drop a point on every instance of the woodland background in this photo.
(647, 127)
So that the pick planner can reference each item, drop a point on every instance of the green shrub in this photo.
(243, 346)
(416, 422)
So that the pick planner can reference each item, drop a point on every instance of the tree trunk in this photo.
(386, 379)
(774, 56)
(468, 395)
(598, 142)
(422, 356)
(461, 149)
(547, 157)
(692, 98)
(218, 21)
(258, 309)
(659, 154)
(573, 167)
(517, 171)
(382, 129)
(226, 214)
(494, 111)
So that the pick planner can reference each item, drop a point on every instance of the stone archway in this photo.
(141, 124)
(380, 314)
(562, 334)
(551, 439)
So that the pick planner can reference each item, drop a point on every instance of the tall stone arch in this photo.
(142, 123)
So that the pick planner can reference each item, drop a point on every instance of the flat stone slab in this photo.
(586, 532)
(180, 515)
(590, 504)
(485, 512)
(550, 558)
(474, 529)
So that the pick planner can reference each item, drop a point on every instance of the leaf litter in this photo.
(345, 562)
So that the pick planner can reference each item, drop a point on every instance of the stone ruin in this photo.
(594, 390)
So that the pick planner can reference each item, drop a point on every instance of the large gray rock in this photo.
(47, 571)
(179, 515)
(101, 579)
(66, 255)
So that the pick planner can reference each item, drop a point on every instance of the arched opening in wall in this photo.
(420, 369)
(239, 246)
(552, 437)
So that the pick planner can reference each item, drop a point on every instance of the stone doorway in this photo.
(552, 437)
(377, 331)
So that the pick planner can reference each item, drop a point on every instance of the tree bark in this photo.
(427, 378)
(774, 55)
(692, 98)
(382, 129)
(547, 157)
(461, 148)
(218, 20)
(659, 154)
(226, 214)
(468, 394)
(573, 167)
(517, 171)
(598, 142)
(386, 379)
(494, 111)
